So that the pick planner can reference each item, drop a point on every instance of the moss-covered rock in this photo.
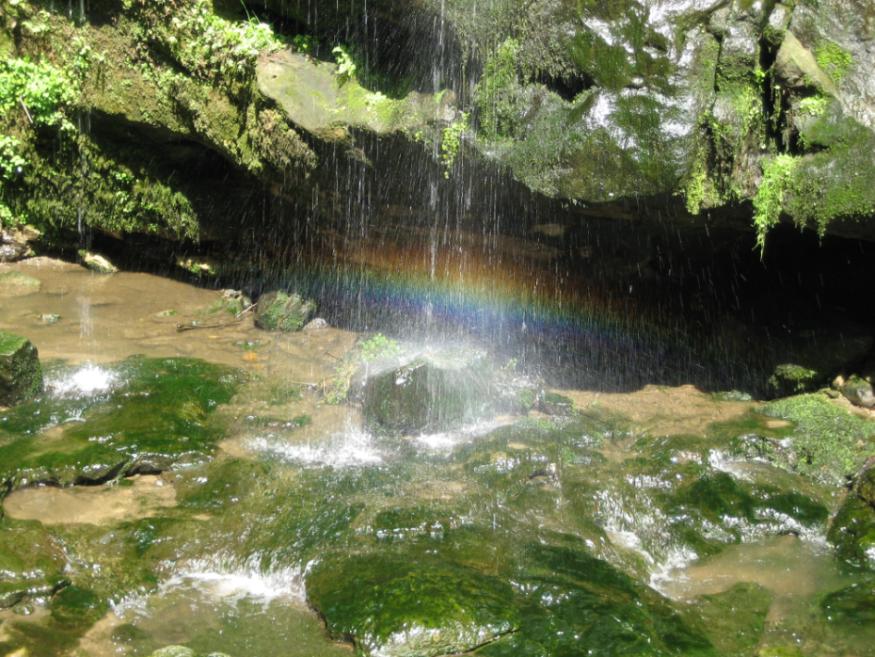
(735, 619)
(31, 562)
(97, 263)
(279, 311)
(859, 392)
(20, 371)
(429, 393)
(158, 413)
(791, 379)
(390, 604)
(853, 528)
(826, 441)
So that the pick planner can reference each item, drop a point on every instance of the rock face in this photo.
(279, 311)
(603, 104)
(20, 372)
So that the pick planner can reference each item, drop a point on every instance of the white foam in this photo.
(446, 441)
(224, 578)
(352, 448)
(231, 580)
(85, 381)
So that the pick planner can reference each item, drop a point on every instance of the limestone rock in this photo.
(316, 324)
(97, 263)
(859, 392)
(428, 393)
(279, 311)
(20, 372)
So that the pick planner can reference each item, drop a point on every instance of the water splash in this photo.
(353, 447)
(225, 578)
(85, 381)
(231, 580)
(446, 441)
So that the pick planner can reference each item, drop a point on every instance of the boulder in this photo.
(430, 392)
(853, 530)
(316, 324)
(409, 604)
(438, 390)
(14, 244)
(859, 392)
(20, 373)
(792, 379)
(279, 311)
(97, 263)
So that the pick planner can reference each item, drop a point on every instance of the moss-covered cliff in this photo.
(755, 113)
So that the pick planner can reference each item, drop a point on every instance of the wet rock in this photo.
(553, 403)
(14, 244)
(31, 563)
(279, 311)
(20, 372)
(852, 607)
(97, 263)
(430, 392)
(234, 301)
(157, 415)
(853, 529)
(859, 392)
(825, 442)
(316, 324)
(391, 605)
(16, 284)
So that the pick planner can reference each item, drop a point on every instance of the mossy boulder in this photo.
(825, 442)
(859, 392)
(393, 605)
(431, 392)
(97, 263)
(280, 311)
(31, 562)
(20, 372)
(791, 379)
(853, 529)
(158, 412)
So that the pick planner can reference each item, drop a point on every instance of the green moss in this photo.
(451, 142)
(853, 533)
(497, 96)
(336, 389)
(391, 604)
(735, 619)
(852, 607)
(20, 371)
(792, 379)
(159, 413)
(827, 441)
(31, 560)
(279, 311)
(833, 59)
(768, 203)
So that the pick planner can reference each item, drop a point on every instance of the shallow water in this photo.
(136, 497)
(632, 516)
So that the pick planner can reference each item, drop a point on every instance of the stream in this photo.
(197, 492)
